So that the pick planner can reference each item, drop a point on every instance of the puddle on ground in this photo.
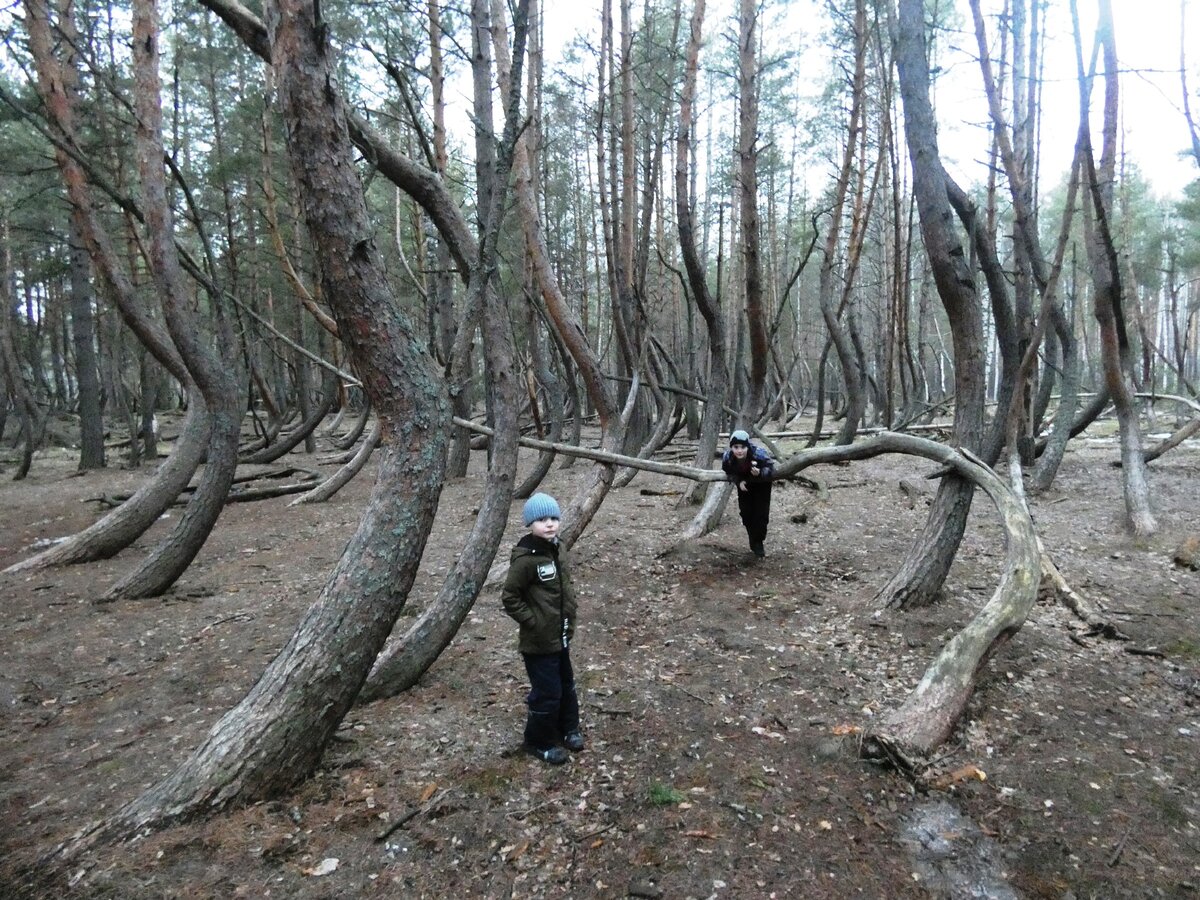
(953, 858)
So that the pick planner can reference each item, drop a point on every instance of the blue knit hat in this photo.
(539, 506)
(739, 437)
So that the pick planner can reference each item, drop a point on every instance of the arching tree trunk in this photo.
(717, 387)
(544, 375)
(297, 436)
(852, 372)
(124, 525)
(924, 570)
(277, 734)
(407, 659)
(1056, 444)
(110, 535)
(345, 474)
(216, 374)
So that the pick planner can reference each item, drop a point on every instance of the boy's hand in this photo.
(754, 469)
(742, 486)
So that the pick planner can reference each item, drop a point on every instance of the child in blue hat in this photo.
(538, 594)
(751, 469)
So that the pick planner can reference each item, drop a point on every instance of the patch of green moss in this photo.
(1184, 647)
(664, 795)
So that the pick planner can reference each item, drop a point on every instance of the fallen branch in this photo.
(1055, 586)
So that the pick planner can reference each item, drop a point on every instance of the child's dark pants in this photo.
(754, 504)
(553, 704)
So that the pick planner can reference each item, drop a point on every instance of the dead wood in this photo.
(239, 495)
(1055, 587)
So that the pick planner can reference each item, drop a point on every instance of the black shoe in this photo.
(573, 740)
(756, 547)
(555, 756)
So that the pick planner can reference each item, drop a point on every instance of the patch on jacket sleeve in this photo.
(546, 571)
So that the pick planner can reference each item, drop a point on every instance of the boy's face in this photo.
(740, 451)
(546, 529)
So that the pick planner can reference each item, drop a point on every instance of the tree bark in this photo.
(276, 735)
(405, 661)
(717, 386)
(216, 374)
(1106, 278)
(19, 392)
(87, 371)
(924, 570)
(853, 376)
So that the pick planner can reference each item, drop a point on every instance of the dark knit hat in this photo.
(739, 437)
(540, 506)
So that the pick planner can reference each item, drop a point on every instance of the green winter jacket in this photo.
(538, 594)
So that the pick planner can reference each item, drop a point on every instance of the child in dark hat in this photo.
(538, 594)
(751, 468)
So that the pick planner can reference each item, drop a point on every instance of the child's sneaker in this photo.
(573, 740)
(555, 756)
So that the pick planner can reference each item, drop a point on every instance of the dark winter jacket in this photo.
(739, 469)
(538, 594)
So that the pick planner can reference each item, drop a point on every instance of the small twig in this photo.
(1146, 651)
(767, 681)
(234, 617)
(1116, 857)
(592, 834)
(532, 809)
(612, 712)
(693, 696)
(412, 814)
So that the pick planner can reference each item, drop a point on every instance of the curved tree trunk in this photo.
(717, 390)
(215, 374)
(123, 526)
(853, 374)
(661, 433)
(276, 735)
(927, 716)
(10, 368)
(1056, 444)
(110, 535)
(298, 435)
(345, 474)
(545, 376)
(1106, 276)
(350, 438)
(1180, 434)
(924, 570)
(403, 663)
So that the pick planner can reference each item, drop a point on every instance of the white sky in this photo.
(1147, 34)
(1155, 132)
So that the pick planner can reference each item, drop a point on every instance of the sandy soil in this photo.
(717, 691)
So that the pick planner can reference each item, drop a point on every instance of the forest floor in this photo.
(719, 698)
